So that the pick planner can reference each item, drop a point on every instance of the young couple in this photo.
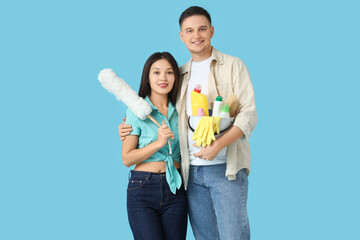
(212, 188)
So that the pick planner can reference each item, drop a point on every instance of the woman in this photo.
(156, 199)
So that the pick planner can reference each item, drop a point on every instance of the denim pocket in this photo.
(136, 183)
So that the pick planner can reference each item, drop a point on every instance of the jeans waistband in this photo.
(143, 174)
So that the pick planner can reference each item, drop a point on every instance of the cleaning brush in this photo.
(233, 103)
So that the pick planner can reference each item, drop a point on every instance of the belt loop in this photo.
(148, 176)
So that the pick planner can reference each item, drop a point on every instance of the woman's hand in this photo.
(164, 133)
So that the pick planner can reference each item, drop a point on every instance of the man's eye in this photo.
(189, 31)
(202, 29)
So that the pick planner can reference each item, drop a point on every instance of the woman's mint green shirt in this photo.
(148, 131)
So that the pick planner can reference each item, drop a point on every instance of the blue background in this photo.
(61, 174)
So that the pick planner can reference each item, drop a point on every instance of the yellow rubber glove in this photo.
(210, 133)
(205, 131)
(210, 137)
(214, 127)
(202, 140)
(199, 131)
(216, 124)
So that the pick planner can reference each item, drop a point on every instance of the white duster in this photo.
(123, 92)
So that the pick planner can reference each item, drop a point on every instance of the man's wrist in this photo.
(218, 145)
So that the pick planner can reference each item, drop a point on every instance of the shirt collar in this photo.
(151, 104)
(215, 56)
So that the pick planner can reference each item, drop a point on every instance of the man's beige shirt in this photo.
(228, 75)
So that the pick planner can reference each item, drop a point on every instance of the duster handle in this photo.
(154, 121)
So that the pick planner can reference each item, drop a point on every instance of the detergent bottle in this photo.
(225, 111)
(199, 100)
(217, 106)
(200, 112)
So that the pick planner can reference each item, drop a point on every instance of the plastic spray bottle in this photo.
(199, 100)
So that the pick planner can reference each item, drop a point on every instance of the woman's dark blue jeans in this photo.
(154, 211)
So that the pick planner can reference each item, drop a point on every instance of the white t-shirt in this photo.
(199, 75)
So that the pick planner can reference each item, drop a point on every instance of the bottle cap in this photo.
(197, 88)
(200, 112)
(225, 108)
(218, 98)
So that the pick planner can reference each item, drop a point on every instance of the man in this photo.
(216, 185)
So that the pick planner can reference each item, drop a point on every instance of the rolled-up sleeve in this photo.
(246, 119)
(134, 122)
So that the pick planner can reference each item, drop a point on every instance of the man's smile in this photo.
(198, 42)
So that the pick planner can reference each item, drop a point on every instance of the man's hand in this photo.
(124, 130)
(209, 152)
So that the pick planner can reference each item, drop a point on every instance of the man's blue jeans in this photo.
(154, 211)
(217, 206)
